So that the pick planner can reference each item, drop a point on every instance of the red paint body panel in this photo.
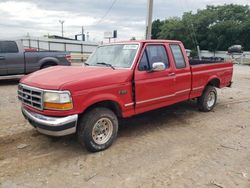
(144, 90)
(203, 74)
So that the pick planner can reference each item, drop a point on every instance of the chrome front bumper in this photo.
(53, 126)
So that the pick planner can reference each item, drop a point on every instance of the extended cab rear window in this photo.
(8, 47)
(153, 54)
(178, 56)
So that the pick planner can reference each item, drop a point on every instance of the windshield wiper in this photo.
(106, 64)
(86, 63)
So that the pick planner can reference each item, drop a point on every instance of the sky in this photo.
(41, 17)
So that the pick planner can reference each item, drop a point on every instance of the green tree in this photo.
(156, 28)
(133, 38)
(213, 28)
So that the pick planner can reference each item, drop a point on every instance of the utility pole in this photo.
(61, 22)
(149, 19)
(199, 51)
(83, 37)
(87, 36)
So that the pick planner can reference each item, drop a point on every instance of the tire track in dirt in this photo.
(142, 140)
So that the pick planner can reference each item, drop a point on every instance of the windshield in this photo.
(117, 55)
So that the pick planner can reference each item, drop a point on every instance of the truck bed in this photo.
(219, 72)
(194, 62)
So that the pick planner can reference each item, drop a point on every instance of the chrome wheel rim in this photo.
(102, 131)
(211, 99)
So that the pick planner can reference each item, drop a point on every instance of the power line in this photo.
(107, 12)
(190, 29)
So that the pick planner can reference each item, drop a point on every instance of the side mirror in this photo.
(158, 66)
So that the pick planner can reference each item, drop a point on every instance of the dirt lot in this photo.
(177, 146)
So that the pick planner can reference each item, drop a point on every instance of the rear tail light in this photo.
(30, 49)
(68, 57)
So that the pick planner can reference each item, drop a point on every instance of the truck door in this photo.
(182, 70)
(12, 58)
(153, 89)
(3, 68)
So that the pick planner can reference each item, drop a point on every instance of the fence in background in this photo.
(243, 58)
(78, 57)
(80, 50)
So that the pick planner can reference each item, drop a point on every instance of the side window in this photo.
(153, 54)
(178, 56)
(8, 47)
(144, 62)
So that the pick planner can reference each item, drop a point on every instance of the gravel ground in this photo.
(177, 146)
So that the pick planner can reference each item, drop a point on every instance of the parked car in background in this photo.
(235, 49)
(15, 59)
(119, 80)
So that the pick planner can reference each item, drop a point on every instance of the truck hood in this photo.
(76, 78)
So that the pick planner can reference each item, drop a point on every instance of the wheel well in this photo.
(52, 63)
(114, 106)
(214, 82)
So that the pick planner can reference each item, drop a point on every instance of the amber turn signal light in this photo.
(58, 106)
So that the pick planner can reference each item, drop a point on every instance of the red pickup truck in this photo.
(119, 80)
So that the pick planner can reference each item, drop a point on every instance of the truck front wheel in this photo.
(208, 99)
(97, 129)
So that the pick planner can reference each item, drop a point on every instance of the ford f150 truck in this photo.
(118, 80)
(15, 60)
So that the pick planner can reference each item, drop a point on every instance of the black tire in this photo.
(203, 101)
(47, 66)
(89, 121)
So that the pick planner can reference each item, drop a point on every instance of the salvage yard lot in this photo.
(177, 146)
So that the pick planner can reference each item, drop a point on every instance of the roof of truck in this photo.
(142, 41)
(151, 41)
(157, 40)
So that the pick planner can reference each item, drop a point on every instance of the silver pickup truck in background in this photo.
(14, 60)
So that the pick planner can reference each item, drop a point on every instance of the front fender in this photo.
(88, 101)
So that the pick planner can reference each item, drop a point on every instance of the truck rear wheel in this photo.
(97, 129)
(208, 99)
(48, 65)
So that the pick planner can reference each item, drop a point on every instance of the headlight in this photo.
(57, 100)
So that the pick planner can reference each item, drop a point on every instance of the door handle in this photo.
(2, 58)
(171, 74)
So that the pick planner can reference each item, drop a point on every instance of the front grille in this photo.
(30, 96)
